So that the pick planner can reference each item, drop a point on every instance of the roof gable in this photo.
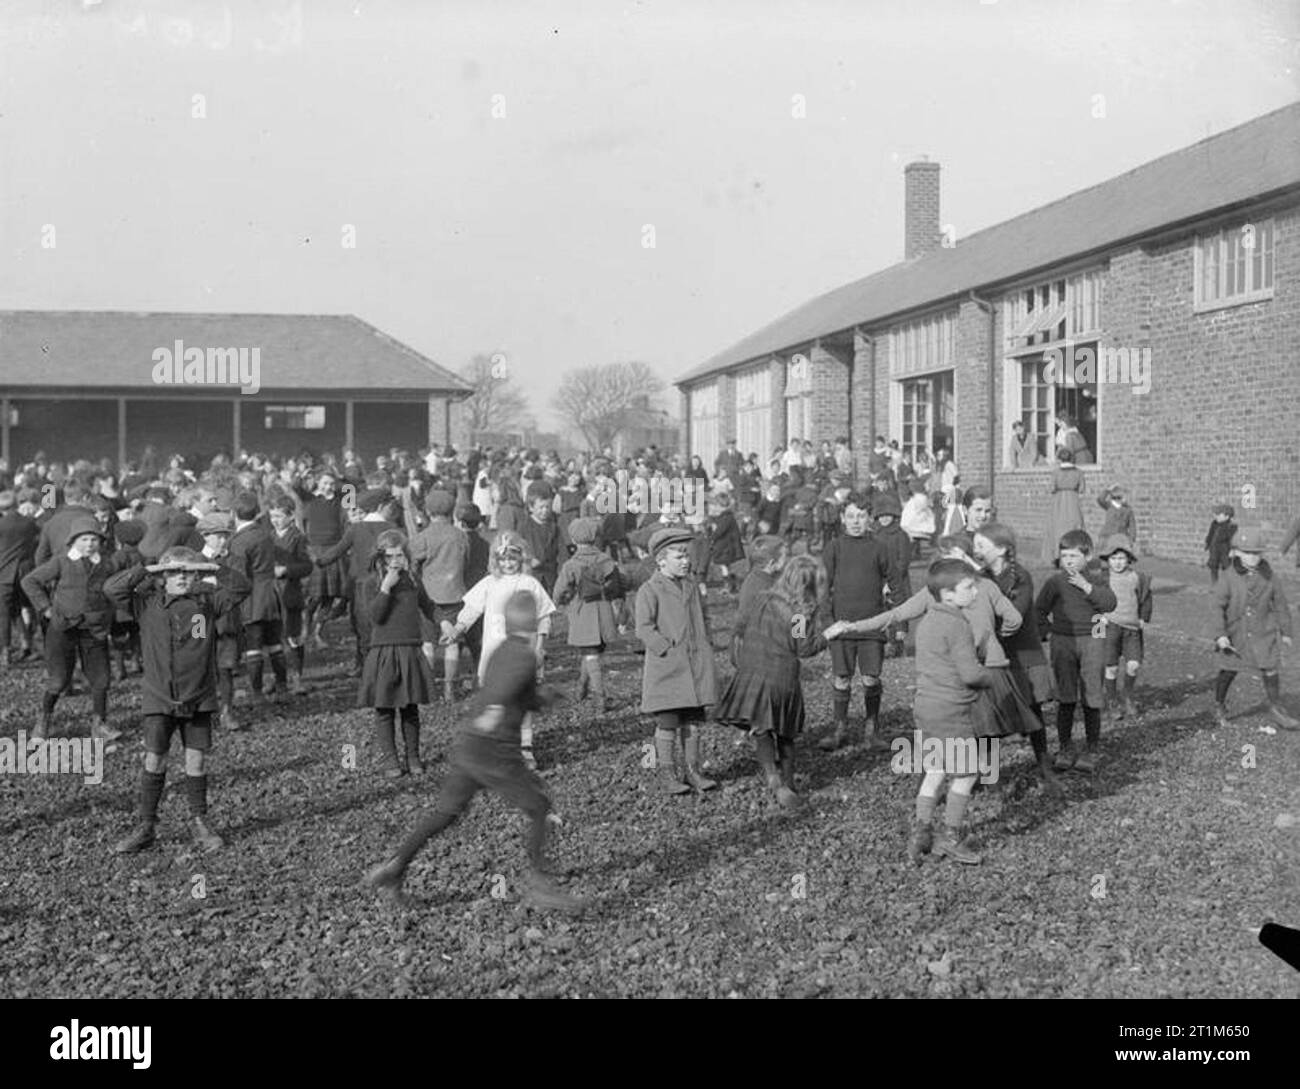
(1253, 161)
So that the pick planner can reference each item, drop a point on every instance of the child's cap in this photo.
(372, 499)
(887, 503)
(129, 532)
(439, 504)
(180, 558)
(1223, 508)
(85, 524)
(539, 489)
(1248, 540)
(584, 530)
(666, 538)
(469, 514)
(507, 543)
(1119, 542)
(217, 521)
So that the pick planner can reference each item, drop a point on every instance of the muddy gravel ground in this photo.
(1151, 879)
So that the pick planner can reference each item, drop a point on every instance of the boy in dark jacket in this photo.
(859, 572)
(178, 615)
(125, 632)
(68, 589)
(1253, 620)
(1067, 608)
(252, 554)
(544, 537)
(1119, 515)
(439, 553)
(886, 510)
(1218, 540)
(292, 565)
(18, 537)
(725, 548)
(488, 757)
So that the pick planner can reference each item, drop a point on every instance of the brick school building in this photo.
(1160, 309)
(104, 384)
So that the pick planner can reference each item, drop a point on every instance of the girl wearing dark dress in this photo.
(765, 697)
(1065, 512)
(396, 676)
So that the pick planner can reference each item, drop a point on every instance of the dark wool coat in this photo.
(947, 673)
(679, 657)
(156, 518)
(727, 547)
(291, 553)
(588, 585)
(765, 694)
(176, 644)
(858, 570)
(1250, 608)
(1218, 541)
(898, 547)
(74, 592)
(358, 546)
(252, 554)
(18, 537)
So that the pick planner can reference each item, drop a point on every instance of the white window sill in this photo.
(1235, 300)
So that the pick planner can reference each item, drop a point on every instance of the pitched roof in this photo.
(1252, 161)
(93, 349)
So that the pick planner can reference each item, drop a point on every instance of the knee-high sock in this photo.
(840, 704)
(871, 703)
(1064, 723)
(1222, 683)
(196, 790)
(151, 789)
(279, 669)
(1092, 725)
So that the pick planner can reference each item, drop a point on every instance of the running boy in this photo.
(488, 757)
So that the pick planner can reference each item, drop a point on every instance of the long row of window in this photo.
(1063, 315)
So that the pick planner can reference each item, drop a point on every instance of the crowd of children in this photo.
(202, 582)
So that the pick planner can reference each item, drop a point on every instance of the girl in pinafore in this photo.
(507, 575)
(1066, 512)
(590, 586)
(395, 677)
(678, 685)
(765, 696)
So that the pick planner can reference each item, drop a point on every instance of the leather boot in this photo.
(947, 842)
(665, 760)
(386, 879)
(691, 744)
(765, 745)
(786, 794)
(141, 838)
(545, 894)
(920, 841)
(386, 744)
(204, 836)
(1278, 713)
(100, 732)
(411, 739)
(836, 739)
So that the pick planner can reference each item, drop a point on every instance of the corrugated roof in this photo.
(1251, 161)
(93, 349)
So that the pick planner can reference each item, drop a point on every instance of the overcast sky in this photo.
(523, 233)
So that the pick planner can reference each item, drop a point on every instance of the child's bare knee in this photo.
(154, 762)
(194, 761)
(1112, 672)
(842, 684)
(1131, 668)
(870, 682)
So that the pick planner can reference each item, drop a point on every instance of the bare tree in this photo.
(599, 400)
(497, 404)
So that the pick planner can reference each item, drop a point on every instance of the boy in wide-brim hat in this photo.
(68, 590)
(178, 610)
(1254, 622)
(1124, 624)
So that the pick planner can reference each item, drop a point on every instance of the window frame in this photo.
(1223, 261)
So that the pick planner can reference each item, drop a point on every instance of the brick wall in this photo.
(920, 209)
(972, 394)
(830, 370)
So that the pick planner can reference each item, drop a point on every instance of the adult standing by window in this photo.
(1071, 438)
(730, 459)
(1023, 451)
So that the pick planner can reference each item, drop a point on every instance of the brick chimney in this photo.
(921, 232)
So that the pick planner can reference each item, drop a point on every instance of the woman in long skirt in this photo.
(1066, 511)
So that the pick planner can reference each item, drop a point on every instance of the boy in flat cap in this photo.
(68, 590)
(678, 684)
(1124, 624)
(177, 603)
(1254, 622)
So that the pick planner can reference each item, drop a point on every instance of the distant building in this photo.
(105, 384)
(652, 426)
(1179, 280)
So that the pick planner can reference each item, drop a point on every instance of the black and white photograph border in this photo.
(651, 500)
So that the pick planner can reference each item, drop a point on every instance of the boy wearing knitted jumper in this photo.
(1068, 609)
